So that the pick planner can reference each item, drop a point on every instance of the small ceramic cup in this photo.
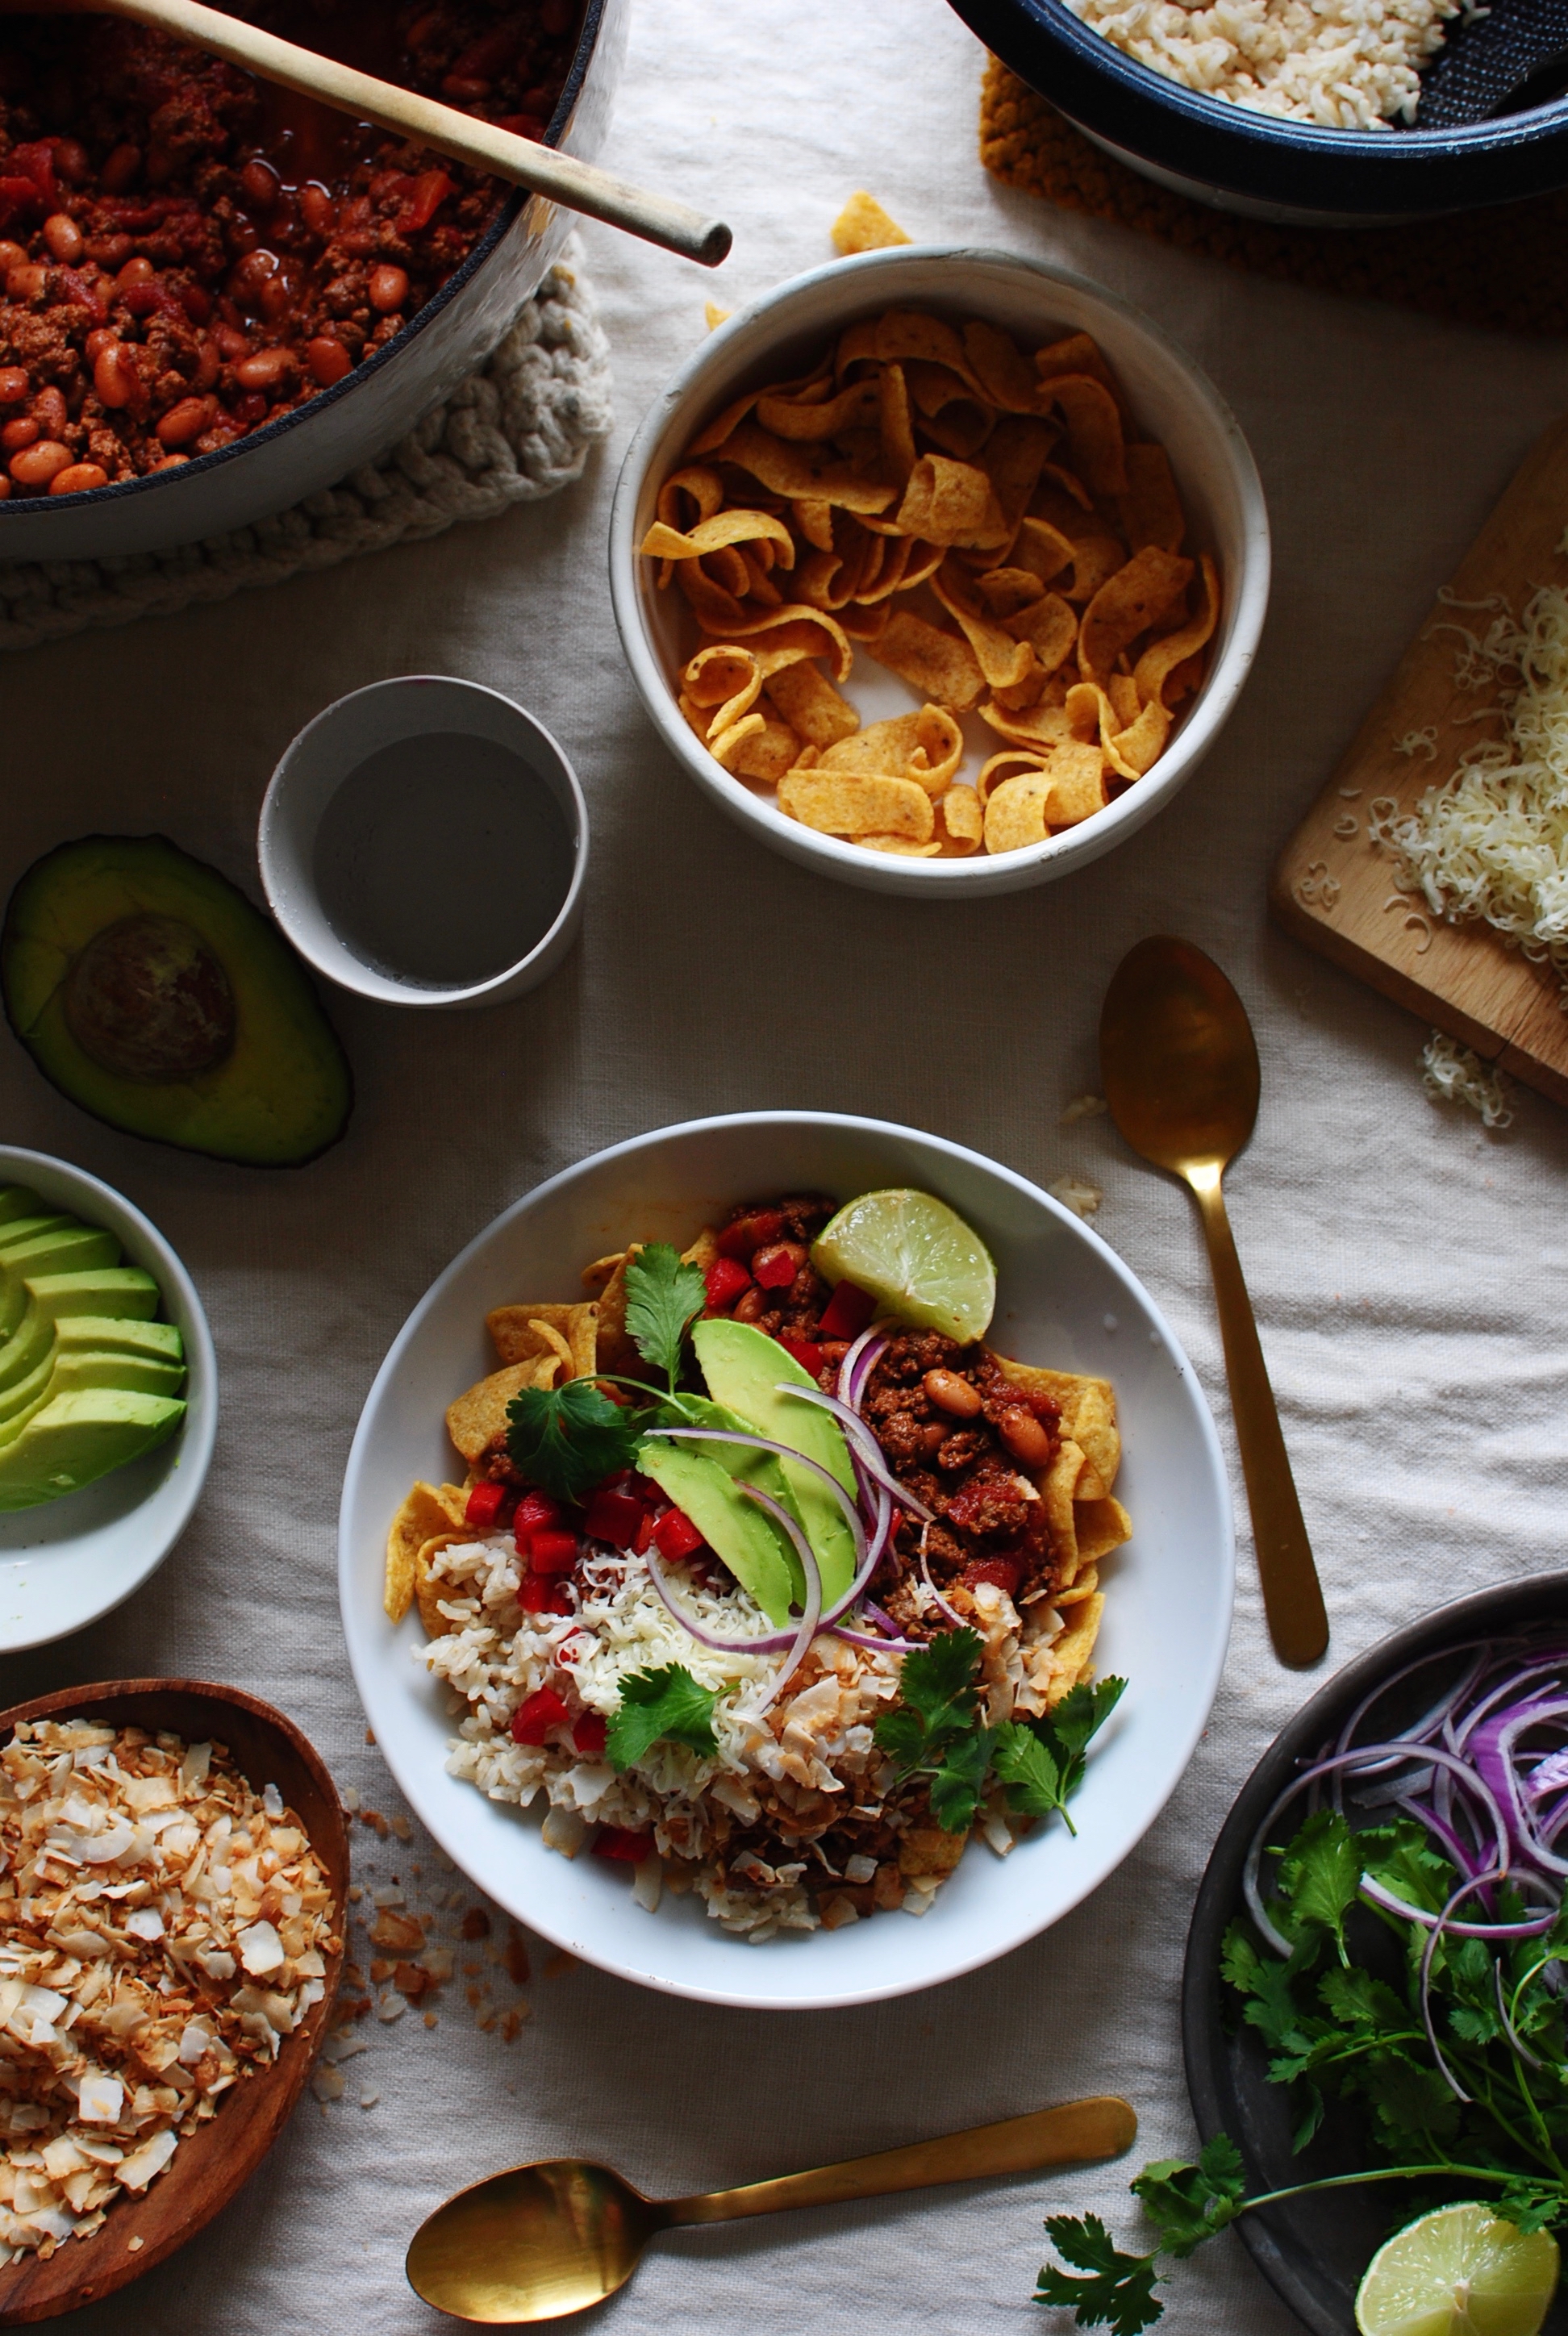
(423, 842)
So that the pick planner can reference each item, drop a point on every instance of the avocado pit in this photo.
(148, 999)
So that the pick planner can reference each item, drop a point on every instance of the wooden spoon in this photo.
(544, 2240)
(576, 186)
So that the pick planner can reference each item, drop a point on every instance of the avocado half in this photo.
(149, 992)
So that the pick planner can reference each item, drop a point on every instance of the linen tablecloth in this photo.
(1406, 1268)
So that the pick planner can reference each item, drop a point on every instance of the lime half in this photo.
(916, 1257)
(1460, 2272)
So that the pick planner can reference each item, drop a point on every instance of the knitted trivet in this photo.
(518, 429)
(1500, 267)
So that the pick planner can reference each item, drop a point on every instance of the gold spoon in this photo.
(544, 2240)
(576, 186)
(1180, 1068)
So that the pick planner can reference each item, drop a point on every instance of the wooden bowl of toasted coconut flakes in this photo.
(183, 2091)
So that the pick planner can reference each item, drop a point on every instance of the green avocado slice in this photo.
(224, 1047)
(33, 1388)
(117, 1290)
(743, 1367)
(70, 1247)
(76, 1439)
(16, 1201)
(154, 1343)
(29, 1343)
(133, 1373)
(744, 1535)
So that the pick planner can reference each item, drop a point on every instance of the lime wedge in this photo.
(916, 1257)
(1460, 2272)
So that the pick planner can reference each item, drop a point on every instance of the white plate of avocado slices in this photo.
(108, 1398)
(1063, 1299)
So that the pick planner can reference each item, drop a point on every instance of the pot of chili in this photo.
(218, 296)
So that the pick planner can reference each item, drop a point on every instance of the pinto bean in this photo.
(28, 282)
(70, 161)
(115, 377)
(184, 421)
(265, 370)
(23, 432)
(259, 184)
(49, 412)
(14, 384)
(317, 210)
(388, 288)
(119, 168)
(136, 271)
(77, 478)
(1025, 1438)
(328, 361)
(950, 1393)
(63, 238)
(38, 466)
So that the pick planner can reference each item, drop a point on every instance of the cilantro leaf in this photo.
(570, 1439)
(662, 1296)
(1061, 1737)
(665, 1706)
(1118, 2293)
(937, 1731)
(937, 1682)
(1079, 1716)
(1533, 2206)
(1189, 2203)
(1029, 1769)
(959, 1781)
(1321, 1873)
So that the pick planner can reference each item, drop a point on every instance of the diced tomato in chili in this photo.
(613, 1516)
(748, 1234)
(674, 1536)
(725, 1280)
(806, 1352)
(774, 1268)
(588, 1734)
(421, 198)
(1006, 1572)
(483, 1506)
(537, 1714)
(35, 163)
(847, 1312)
(542, 1593)
(627, 1848)
(550, 1553)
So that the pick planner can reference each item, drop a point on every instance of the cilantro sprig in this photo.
(939, 1732)
(665, 1706)
(1337, 2031)
(567, 1439)
(663, 1295)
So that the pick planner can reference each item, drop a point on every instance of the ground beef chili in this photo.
(187, 253)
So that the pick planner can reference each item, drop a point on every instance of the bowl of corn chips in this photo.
(939, 570)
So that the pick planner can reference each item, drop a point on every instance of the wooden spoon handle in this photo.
(576, 186)
(1076, 2132)
(1292, 1595)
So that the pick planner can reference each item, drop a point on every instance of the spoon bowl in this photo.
(1179, 1065)
(540, 2241)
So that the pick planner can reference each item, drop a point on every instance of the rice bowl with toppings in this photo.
(1166, 1618)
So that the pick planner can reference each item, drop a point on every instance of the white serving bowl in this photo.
(1064, 1299)
(73, 1561)
(1172, 400)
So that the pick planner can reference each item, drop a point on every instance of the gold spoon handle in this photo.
(1292, 1595)
(576, 186)
(1075, 2132)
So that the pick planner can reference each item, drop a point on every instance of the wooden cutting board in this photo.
(1334, 888)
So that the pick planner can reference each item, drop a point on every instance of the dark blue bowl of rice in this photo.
(1292, 111)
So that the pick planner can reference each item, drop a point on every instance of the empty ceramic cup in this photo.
(423, 842)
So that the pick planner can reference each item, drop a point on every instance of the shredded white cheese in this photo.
(1452, 1074)
(1490, 843)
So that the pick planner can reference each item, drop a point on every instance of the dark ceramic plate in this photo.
(1314, 2250)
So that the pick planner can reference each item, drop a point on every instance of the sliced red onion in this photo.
(954, 1617)
(870, 1451)
(877, 1646)
(1433, 1718)
(883, 1622)
(811, 1619)
(1426, 1919)
(784, 1451)
(861, 1361)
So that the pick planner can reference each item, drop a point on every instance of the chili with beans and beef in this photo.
(964, 1438)
(187, 253)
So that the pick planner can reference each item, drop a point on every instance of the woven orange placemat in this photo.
(1506, 267)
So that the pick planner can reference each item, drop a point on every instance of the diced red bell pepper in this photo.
(550, 1551)
(674, 1536)
(613, 1516)
(725, 1280)
(421, 198)
(1006, 1572)
(537, 1509)
(542, 1593)
(777, 1267)
(483, 1506)
(627, 1848)
(537, 1714)
(847, 1312)
(748, 1234)
(644, 1539)
(588, 1734)
(806, 1352)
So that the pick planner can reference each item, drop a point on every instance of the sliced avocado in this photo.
(73, 1439)
(120, 1289)
(156, 1342)
(744, 1535)
(16, 1201)
(33, 1388)
(743, 1367)
(150, 992)
(23, 1229)
(748, 1465)
(71, 1248)
(28, 1344)
(133, 1373)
